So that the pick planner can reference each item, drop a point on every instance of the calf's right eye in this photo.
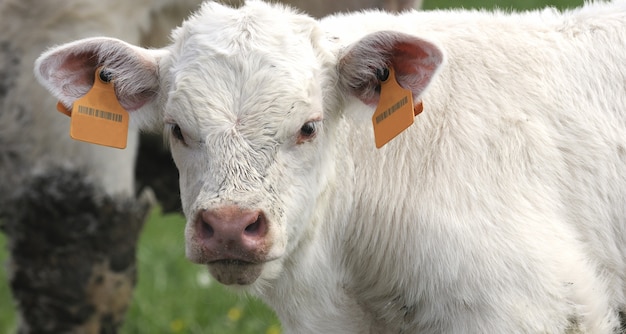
(177, 132)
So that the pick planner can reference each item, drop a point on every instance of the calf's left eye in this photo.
(307, 132)
(308, 129)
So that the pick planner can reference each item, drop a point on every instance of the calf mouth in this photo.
(231, 262)
(235, 272)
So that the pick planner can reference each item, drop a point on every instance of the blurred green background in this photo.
(175, 296)
(504, 4)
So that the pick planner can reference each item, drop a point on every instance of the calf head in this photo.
(250, 101)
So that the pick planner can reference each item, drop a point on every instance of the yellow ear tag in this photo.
(394, 112)
(98, 117)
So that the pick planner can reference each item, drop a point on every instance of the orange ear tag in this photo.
(394, 112)
(98, 117)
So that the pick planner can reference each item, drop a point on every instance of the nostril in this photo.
(207, 230)
(254, 227)
(257, 227)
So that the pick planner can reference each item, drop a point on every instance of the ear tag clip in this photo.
(395, 111)
(98, 117)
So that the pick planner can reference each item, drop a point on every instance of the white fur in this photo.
(501, 210)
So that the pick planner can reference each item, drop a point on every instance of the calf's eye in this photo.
(177, 132)
(307, 131)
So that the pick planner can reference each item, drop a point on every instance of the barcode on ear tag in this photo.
(394, 112)
(98, 117)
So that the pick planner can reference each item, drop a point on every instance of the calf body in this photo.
(501, 210)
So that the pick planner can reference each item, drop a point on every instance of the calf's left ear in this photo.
(68, 71)
(414, 60)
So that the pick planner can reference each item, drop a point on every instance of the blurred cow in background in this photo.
(69, 208)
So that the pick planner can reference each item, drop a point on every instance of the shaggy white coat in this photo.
(501, 210)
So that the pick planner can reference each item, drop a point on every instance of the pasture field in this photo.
(502, 4)
(175, 296)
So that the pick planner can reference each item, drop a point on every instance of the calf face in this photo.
(246, 130)
(251, 102)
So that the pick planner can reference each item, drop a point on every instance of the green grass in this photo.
(503, 4)
(7, 308)
(175, 296)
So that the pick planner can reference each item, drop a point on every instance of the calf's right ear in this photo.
(67, 71)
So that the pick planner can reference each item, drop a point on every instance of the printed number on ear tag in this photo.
(394, 112)
(98, 117)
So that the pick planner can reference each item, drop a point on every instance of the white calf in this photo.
(501, 210)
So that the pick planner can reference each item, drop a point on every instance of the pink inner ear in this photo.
(76, 73)
(408, 59)
(415, 65)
